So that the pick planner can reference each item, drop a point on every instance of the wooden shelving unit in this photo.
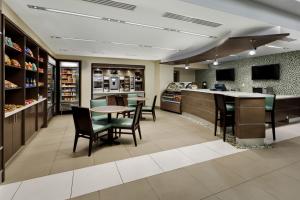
(24, 91)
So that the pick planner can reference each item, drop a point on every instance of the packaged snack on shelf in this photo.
(15, 63)
(7, 60)
(10, 85)
(16, 46)
(11, 107)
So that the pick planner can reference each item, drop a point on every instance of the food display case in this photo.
(171, 97)
(69, 85)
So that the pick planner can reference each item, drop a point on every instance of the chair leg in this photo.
(119, 132)
(134, 137)
(117, 115)
(90, 146)
(75, 143)
(233, 131)
(139, 129)
(216, 123)
(154, 115)
(224, 131)
(273, 126)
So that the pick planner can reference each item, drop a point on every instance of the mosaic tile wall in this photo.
(289, 83)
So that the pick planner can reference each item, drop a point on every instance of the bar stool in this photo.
(226, 112)
(270, 108)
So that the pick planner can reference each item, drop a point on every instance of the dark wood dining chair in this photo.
(224, 113)
(120, 102)
(150, 109)
(129, 124)
(85, 128)
(270, 103)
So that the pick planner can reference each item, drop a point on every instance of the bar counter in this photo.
(250, 115)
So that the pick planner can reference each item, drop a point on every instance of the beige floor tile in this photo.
(64, 165)
(136, 190)
(247, 191)
(91, 196)
(243, 166)
(281, 186)
(178, 184)
(212, 198)
(107, 154)
(142, 149)
(24, 171)
(292, 171)
(214, 176)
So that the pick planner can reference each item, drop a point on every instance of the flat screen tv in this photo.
(266, 72)
(225, 75)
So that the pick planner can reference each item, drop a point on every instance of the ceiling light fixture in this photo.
(216, 62)
(187, 66)
(252, 52)
(142, 46)
(118, 21)
(116, 43)
(74, 39)
(274, 47)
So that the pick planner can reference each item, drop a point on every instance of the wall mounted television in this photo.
(266, 72)
(225, 75)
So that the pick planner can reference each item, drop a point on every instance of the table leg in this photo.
(110, 137)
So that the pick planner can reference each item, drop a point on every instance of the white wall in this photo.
(186, 75)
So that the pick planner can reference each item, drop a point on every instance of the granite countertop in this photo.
(241, 94)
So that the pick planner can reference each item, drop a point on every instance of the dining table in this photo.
(109, 110)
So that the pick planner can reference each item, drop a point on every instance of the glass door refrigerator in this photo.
(51, 96)
(69, 82)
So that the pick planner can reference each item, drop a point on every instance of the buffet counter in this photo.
(111, 95)
(250, 115)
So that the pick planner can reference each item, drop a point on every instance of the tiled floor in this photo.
(50, 152)
(210, 170)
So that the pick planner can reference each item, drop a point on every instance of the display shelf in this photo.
(12, 50)
(13, 67)
(10, 89)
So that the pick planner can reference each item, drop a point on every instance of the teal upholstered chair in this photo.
(132, 103)
(129, 123)
(85, 128)
(96, 117)
(226, 111)
(150, 109)
(270, 102)
(120, 102)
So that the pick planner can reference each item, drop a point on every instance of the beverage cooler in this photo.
(69, 85)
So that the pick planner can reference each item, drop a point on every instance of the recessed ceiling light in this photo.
(216, 62)
(252, 52)
(119, 21)
(187, 66)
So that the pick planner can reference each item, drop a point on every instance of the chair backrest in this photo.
(132, 102)
(119, 100)
(220, 103)
(271, 101)
(98, 103)
(154, 102)
(82, 120)
(137, 114)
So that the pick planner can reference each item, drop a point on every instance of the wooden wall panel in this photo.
(199, 104)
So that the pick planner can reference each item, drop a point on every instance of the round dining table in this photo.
(110, 110)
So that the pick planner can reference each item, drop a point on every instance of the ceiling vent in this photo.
(288, 39)
(114, 4)
(191, 20)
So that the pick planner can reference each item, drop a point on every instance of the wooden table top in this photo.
(137, 98)
(109, 109)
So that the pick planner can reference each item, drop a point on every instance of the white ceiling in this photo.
(290, 6)
(47, 24)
